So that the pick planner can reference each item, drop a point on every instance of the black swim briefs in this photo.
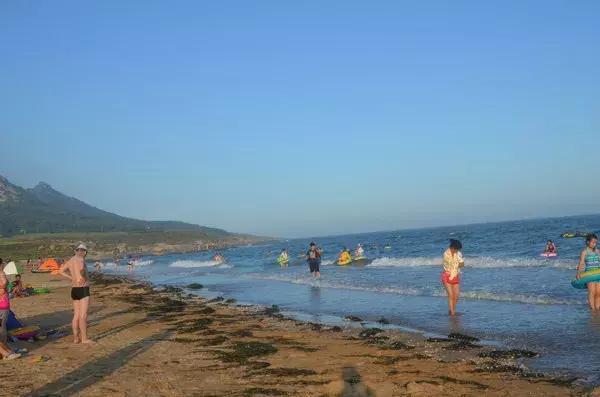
(78, 293)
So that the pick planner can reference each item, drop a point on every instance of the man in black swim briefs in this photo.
(75, 270)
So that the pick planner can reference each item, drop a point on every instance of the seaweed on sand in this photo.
(242, 351)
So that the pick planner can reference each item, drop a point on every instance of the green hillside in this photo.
(45, 210)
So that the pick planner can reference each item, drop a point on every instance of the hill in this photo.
(43, 209)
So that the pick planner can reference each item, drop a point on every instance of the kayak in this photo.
(357, 260)
(549, 254)
(586, 277)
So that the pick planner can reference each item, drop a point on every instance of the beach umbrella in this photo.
(11, 268)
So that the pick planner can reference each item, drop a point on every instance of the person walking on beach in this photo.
(590, 260)
(5, 352)
(314, 260)
(452, 262)
(75, 270)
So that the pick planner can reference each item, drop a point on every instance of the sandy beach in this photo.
(170, 343)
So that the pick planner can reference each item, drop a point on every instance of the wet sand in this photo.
(168, 343)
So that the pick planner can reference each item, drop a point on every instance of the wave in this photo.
(143, 263)
(196, 264)
(409, 291)
(485, 262)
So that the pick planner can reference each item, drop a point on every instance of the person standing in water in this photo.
(452, 262)
(314, 260)
(590, 260)
(75, 270)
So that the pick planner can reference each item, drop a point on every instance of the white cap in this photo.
(81, 246)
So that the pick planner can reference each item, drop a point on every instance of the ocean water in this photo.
(510, 295)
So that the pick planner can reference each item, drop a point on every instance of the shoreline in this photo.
(106, 245)
(212, 347)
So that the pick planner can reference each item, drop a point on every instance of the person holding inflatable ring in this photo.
(590, 260)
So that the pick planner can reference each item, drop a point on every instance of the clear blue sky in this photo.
(305, 118)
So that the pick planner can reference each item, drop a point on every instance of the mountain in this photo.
(43, 209)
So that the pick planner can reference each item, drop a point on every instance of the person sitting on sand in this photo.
(550, 248)
(590, 260)
(452, 262)
(75, 270)
(359, 252)
(5, 351)
(17, 288)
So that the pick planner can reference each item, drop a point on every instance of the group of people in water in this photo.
(453, 262)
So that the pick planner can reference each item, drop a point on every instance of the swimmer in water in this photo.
(360, 251)
(550, 248)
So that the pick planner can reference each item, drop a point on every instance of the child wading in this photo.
(452, 263)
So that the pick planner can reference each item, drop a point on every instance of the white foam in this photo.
(199, 264)
(477, 262)
(409, 291)
(143, 263)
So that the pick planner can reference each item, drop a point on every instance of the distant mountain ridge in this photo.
(43, 209)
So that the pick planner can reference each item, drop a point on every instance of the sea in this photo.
(511, 296)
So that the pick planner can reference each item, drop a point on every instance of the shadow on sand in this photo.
(77, 380)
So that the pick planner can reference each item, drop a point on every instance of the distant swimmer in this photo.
(360, 251)
(452, 262)
(98, 267)
(219, 258)
(589, 260)
(550, 248)
(313, 257)
(283, 258)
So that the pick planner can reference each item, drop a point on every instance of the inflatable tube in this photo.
(361, 260)
(586, 277)
(25, 333)
(574, 234)
(40, 291)
(549, 254)
(283, 261)
(344, 263)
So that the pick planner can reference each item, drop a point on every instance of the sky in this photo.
(307, 118)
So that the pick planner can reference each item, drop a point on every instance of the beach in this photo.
(165, 341)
